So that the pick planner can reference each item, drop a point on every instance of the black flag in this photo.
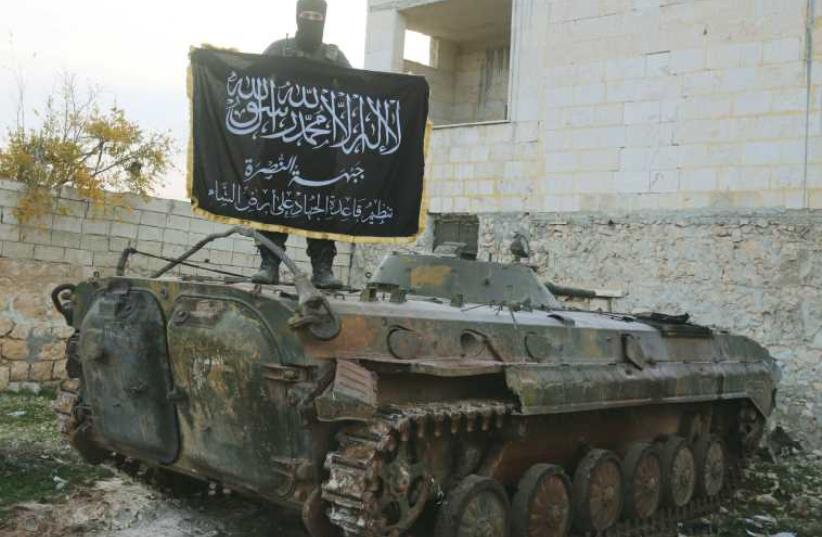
(288, 144)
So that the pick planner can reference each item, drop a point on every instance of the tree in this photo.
(78, 145)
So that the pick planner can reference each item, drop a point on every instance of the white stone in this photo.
(658, 64)
(630, 182)
(625, 68)
(642, 112)
(687, 60)
(698, 180)
(783, 50)
(121, 229)
(752, 103)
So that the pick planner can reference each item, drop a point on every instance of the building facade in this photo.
(668, 148)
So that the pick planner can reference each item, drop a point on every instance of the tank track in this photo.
(353, 487)
(65, 407)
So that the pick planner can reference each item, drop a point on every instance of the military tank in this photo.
(449, 397)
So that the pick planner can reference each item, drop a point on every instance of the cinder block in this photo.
(740, 178)
(635, 159)
(625, 68)
(658, 64)
(701, 82)
(104, 260)
(735, 80)
(173, 236)
(149, 233)
(642, 112)
(664, 180)
(149, 218)
(792, 100)
(9, 198)
(199, 225)
(124, 230)
(697, 180)
(761, 153)
(67, 223)
(182, 208)
(527, 131)
(219, 257)
(52, 254)
(244, 260)
(598, 160)
(246, 246)
(560, 162)
(173, 250)
(782, 50)
(35, 235)
(150, 247)
(157, 205)
(95, 227)
(632, 182)
(77, 257)
(65, 239)
(77, 209)
(14, 186)
(787, 177)
(752, 103)
(125, 215)
(9, 232)
(95, 243)
(117, 245)
(589, 94)
(18, 250)
(225, 245)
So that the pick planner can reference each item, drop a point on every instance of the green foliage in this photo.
(78, 145)
(35, 465)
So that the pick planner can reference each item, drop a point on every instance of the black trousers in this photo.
(316, 247)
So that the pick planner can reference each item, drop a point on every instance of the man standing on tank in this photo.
(308, 44)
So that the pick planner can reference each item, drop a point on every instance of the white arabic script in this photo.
(270, 169)
(300, 206)
(312, 116)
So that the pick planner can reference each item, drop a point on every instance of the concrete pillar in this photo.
(528, 35)
(385, 43)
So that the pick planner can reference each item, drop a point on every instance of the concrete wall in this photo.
(77, 241)
(468, 84)
(642, 104)
(482, 74)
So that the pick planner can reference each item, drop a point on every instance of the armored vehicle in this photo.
(450, 397)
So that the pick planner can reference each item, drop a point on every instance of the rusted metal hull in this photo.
(219, 382)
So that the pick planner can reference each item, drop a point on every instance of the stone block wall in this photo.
(78, 240)
(641, 105)
(756, 273)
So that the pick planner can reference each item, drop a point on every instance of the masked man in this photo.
(307, 44)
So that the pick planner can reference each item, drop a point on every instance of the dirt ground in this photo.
(46, 491)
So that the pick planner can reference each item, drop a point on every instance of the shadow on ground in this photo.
(45, 490)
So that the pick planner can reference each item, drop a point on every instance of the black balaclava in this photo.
(310, 25)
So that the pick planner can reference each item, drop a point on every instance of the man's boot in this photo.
(269, 273)
(270, 266)
(322, 253)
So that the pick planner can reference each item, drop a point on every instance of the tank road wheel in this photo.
(405, 488)
(542, 504)
(597, 491)
(678, 472)
(641, 481)
(710, 467)
(477, 507)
